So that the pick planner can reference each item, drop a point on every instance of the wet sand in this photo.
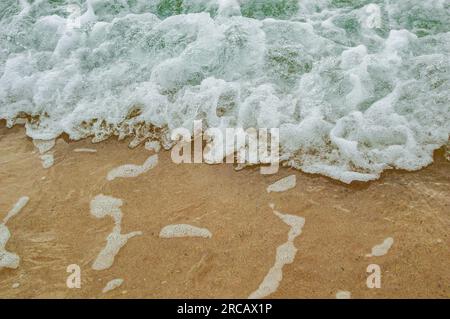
(342, 224)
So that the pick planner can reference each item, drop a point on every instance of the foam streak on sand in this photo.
(153, 146)
(342, 294)
(47, 160)
(381, 249)
(184, 230)
(17, 208)
(102, 206)
(85, 150)
(44, 146)
(283, 184)
(113, 284)
(285, 255)
(131, 170)
(7, 259)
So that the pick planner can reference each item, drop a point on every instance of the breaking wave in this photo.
(355, 86)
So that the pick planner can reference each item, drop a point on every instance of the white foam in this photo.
(381, 249)
(8, 259)
(115, 241)
(343, 294)
(47, 160)
(16, 208)
(131, 170)
(102, 206)
(354, 87)
(184, 230)
(283, 184)
(15, 285)
(44, 146)
(85, 150)
(153, 146)
(285, 255)
(113, 284)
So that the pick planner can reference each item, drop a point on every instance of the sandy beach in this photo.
(342, 224)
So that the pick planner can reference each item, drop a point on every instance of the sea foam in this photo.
(285, 255)
(113, 284)
(283, 184)
(381, 249)
(8, 259)
(184, 230)
(131, 170)
(355, 87)
(101, 206)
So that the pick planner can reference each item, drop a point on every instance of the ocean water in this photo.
(355, 86)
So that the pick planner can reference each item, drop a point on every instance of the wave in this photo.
(355, 86)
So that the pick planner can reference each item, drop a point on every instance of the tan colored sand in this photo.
(342, 225)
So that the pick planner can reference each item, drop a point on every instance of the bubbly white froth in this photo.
(285, 255)
(383, 248)
(113, 284)
(16, 208)
(153, 146)
(184, 230)
(102, 206)
(283, 184)
(131, 170)
(343, 294)
(44, 146)
(85, 150)
(47, 160)
(8, 259)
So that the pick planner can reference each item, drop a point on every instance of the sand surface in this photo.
(342, 225)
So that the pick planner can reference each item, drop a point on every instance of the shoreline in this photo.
(342, 224)
(442, 152)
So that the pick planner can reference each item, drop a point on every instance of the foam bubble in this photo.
(44, 146)
(283, 184)
(131, 170)
(343, 294)
(8, 259)
(153, 146)
(85, 150)
(184, 230)
(113, 284)
(115, 241)
(285, 255)
(354, 87)
(47, 160)
(18, 206)
(382, 249)
(102, 206)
